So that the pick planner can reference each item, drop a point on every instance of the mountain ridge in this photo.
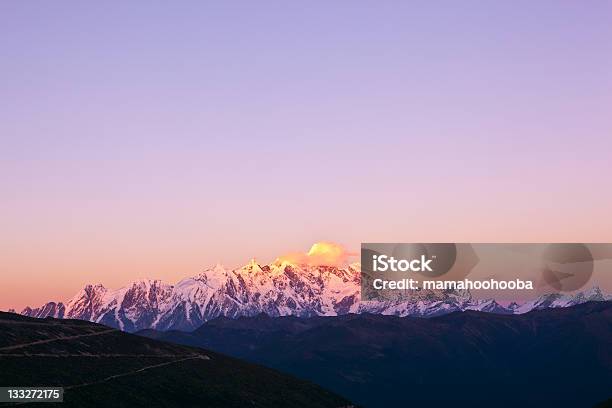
(546, 357)
(276, 289)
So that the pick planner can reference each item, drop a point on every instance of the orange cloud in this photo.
(320, 254)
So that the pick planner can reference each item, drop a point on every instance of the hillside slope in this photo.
(551, 357)
(104, 367)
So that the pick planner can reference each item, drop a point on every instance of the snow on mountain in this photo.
(513, 306)
(50, 309)
(278, 289)
(555, 300)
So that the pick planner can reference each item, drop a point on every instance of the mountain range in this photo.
(551, 357)
(276, 289)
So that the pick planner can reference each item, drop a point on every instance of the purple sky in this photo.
(149, 139)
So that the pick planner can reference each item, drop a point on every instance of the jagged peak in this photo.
(252, 266)
(513, 305)
(282, 263)
(595, 290)
(217, 267)
(216, 270)
(147, 283)
(97, 286)
(550, 295)
(90, 289)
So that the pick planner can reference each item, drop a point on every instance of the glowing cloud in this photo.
(320, 254)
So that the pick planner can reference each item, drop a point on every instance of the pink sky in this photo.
(154, 141)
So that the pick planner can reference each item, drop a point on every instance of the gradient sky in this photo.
(152, 139)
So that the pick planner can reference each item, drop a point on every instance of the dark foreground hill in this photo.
(545, 358)
(103, 367)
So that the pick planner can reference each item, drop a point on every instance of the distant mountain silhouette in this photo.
(104, 367)
(545, 358)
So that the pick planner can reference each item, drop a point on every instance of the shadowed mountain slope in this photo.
(551, 357)
(103, 367)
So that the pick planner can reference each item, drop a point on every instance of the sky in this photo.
(149, 139)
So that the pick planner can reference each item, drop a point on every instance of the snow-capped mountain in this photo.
(277, 289)
(554, 300)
